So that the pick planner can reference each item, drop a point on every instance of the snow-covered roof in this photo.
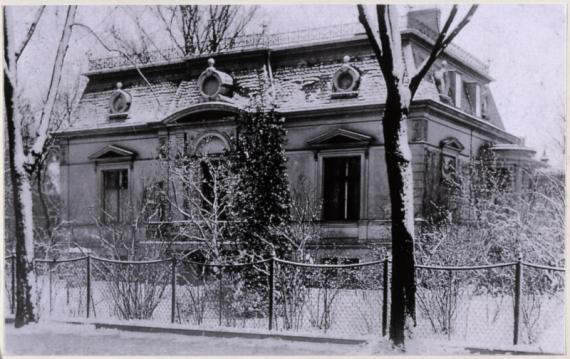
(296, 84)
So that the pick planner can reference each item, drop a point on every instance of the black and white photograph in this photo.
(302, 179)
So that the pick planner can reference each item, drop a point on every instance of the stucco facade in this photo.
(322, 119)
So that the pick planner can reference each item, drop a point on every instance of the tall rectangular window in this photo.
(115, 195)
(341, 192)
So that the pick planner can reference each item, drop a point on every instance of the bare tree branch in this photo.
(371, 34)
(124, 55)
(55, 80)
(168, 26)
(459, 27)
(428, 62)
(30, 32)
(440, 45)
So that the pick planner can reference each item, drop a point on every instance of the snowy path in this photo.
(67, 339)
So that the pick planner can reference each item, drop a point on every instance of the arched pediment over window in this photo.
(211, 143)
(203, 111)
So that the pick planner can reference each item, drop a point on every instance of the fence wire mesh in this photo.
(130, 290)
(471, 306)
(344, 301)
(228, 296)
(542, 308)
(67, 288)
(488, 306)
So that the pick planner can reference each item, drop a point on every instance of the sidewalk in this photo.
(49, 338)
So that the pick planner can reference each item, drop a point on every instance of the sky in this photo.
(524, 44)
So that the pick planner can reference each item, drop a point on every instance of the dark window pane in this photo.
(211, 86)
(115, 195)
(353, 189)
(341, 192)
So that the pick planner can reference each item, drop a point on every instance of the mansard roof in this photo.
(299, 78)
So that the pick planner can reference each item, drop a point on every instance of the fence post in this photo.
(88, 301)
(51, 266)
(518, 293)
(385, 296)
(220, 296)
(450, 273)
(173, 290)
(271, 288)
(13, 283)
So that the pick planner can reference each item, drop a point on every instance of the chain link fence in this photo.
(130, 290)
(466, 305)
(493, 306)
(62, 287)
(213, 295)
(341, 300)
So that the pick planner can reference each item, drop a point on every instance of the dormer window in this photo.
(215, 85)
(449, 85)
(472, 92)
(455, 88)
(119, 103)
(345, 81)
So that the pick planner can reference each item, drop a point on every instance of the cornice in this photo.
(318, 112)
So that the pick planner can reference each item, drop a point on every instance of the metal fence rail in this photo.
(514, 303)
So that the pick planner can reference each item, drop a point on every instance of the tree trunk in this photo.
(20, 191)
(20, 163)
(400, 181)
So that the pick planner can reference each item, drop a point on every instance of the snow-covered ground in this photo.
(49, 338)
(477, 321)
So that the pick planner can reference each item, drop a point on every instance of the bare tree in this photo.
(188, 29)
(198, 29)
(387, 46)
(200, 191)
(24, 158)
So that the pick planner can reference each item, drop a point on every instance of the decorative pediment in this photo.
(203, 111)
(451, 143)
(340, 137)
(112, 153)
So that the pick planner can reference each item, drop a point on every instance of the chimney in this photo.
(424, 18)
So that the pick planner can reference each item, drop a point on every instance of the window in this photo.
(345, 80)
(207, 185)
(115, 195)
(215, 85)
(341, 192)
(119, 103)
(211, 189)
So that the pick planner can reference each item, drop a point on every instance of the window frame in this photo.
(101, 169)
(360, 152)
